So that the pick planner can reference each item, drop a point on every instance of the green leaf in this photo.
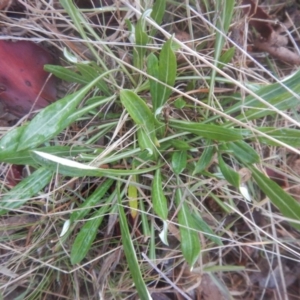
(275, 94)
(202, 226)
(226, 57)
(142, 116)
(52, 119)
(133, 197)
(90, 72)
(229, 174)
(153, 70)
(224, 12)
(157, 14)
(75, 169)
(287, 205)
(179, 159)
(243, 152)
(141, 39)
(289, 136)
(205, 158)
(180, 145)
(66, 74)
(131, 254)
(209, 131)
(88, 232)
(25, 190)
(25, 157)
(159, 201)
(145, 142)
(91, 201)
(179, 103)
(11, 140)
(189, 239)
(165, 72)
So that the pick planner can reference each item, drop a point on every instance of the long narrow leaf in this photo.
(142, 116)
(165, 71)
(224, 12)
(141, 39)
(25, 190)
(11, 140)
(205, 158)
(52, 120)
(209, 131)
(88, 232)
(75, 169)
(131, 255)
(289, 136)
(189, 239)
(243, 152)
(287, 205)
(91, 201)
(229, 174)
(158, 11)
(159, 201)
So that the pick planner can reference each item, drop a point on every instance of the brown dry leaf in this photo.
(185, 38)
(4, 4)
(258, 19)
(282, 53)
(270, 277)
(208, 290)
(270, 41)
(159, 296)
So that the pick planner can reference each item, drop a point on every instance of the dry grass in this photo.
(35, 259)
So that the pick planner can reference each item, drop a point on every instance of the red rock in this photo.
(22, 77)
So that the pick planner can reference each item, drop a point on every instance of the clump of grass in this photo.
(153, 165)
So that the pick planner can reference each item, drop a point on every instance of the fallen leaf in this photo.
(282, 53)
(258, 19)
(5, 4)
(24, 85)
(209, 290)
(14, 175)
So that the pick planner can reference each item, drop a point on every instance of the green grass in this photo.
(144, 159)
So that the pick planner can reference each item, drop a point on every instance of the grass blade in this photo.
(202, 226)
(165, 71)
(205, 158)
(209, 131)
(52, 119)
(88, 232)
(25, 190)
(287, 205)
(243, 152)
(72, 168)
(159, 201)
(133, 197)
(158, 11)
(91, 201)
(275, 94)
(141, 39)
(142, 116)
(229, 174)
(289, 136)
(189, 239)
(11, 140)
(179, 160)
(130, 254)
(224, 11)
